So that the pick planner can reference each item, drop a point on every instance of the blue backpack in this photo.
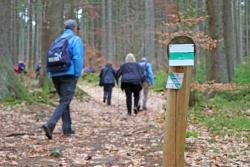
(58, 58)
(143, 64)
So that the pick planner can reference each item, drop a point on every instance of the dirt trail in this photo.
(155, 102)
(106, 137)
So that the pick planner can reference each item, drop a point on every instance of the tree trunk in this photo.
(9, 85)
(52, 26)
(149, 40)
(247, 18)
(110, 31)
(13, 33)
(30, 61)
(217, 60)
(237, 18)
(103, 30)
(229, 37)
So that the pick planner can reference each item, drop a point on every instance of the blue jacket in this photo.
(107, 75)
(76, 50)
(148, 71)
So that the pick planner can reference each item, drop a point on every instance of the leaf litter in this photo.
(107, 137)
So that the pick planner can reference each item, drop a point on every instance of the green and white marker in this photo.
(175, 80)
(181, 55)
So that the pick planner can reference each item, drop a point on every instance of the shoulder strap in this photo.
(67, 37)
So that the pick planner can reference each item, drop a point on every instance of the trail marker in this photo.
(174, 80)
(181, 54)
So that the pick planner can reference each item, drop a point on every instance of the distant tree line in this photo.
(111, 29)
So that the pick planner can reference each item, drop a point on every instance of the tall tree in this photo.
(229, 37)
(238, 28)
(30, 45)
(247, 17)
(149, 41)
(13, 33)
(9, 86)
(5, 15)
(52, 26)
(216, 61)
(110, 31)
(103, 29)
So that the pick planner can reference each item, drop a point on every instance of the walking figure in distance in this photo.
(132, 77)
(147, 68)
(107, 80)
(65, 79)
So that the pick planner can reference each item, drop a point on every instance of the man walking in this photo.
(65, 80)
(147, 83)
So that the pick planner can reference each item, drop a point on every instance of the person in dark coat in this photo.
(132, 77)
(107, 80)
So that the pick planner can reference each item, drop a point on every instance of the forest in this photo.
(218, 117)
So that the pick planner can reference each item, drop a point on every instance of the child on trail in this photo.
(132, 77)
(107, 80)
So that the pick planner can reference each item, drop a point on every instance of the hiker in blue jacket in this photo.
(107, 80)
(132, 77)
(147, 83)
(65, 81)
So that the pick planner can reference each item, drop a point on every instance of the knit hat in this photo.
(70, 24)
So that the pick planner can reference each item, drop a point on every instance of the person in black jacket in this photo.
(107, 80)
(132, 77)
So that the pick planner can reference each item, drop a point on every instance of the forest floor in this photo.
(107, 137)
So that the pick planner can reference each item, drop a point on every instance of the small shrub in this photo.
(191, 134)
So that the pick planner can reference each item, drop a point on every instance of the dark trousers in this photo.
(107, 88)
(65, 87)
(129, 90)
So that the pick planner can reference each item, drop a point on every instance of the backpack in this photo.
(16, 68)
(107, 76)
(58, 58)
(143, 64)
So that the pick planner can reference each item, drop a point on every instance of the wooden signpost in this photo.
(181, 54)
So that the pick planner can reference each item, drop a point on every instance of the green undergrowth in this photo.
(92, 78)
(192, 134)
(242, 73)
(223, 112)
(31, 93)
(159, 81)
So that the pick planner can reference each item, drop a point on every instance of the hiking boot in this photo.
(69, 133)
(48, 131)
(104, 100)
(136, 109)
(145, 108)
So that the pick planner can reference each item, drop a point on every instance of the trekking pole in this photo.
(118, 100)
